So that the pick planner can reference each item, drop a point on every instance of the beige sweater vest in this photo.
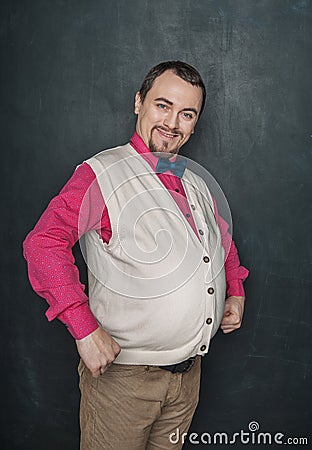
(156, 288)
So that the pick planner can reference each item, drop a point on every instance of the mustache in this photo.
(167, 130)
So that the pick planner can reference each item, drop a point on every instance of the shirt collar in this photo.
(139, 145)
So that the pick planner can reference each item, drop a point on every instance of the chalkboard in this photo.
(69, 73)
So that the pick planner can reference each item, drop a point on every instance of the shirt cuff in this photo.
(70, 304)
(79, 320)
(235, 288)
(234, 284)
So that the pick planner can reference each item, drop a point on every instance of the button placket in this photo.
(208, 311)
(209, 304)
(203, 232)
(199, 222)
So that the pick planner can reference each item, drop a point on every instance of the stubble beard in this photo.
(163, 148)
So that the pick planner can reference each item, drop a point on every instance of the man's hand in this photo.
(233, 314)
(98, 350)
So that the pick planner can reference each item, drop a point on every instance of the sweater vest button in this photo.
(210, 290)
(206, 259)
(203, 348)
(209, 321)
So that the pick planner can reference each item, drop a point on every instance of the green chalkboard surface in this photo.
(69, 73)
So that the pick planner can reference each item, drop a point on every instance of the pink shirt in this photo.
(48, 247)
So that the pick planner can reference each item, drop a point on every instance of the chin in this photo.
(162, 148)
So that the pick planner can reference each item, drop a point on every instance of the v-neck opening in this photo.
(159, 181)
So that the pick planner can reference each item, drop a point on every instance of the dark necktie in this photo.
(176, 167)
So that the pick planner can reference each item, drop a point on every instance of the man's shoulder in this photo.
(111, 152)
(110, 155)
(111, 158)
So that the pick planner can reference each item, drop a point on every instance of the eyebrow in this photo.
(165, 100)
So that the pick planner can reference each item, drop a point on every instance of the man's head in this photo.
(168, 106)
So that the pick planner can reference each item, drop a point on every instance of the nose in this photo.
(171, 120)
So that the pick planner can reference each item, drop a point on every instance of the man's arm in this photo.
(235, 276)
(52, 270)
(98, 350)
(233, 314)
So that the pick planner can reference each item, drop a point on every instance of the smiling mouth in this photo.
(167, 134)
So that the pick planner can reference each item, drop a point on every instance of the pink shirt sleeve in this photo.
(48, 251)
(235, 273)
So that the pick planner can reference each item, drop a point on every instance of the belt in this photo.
(181, 367)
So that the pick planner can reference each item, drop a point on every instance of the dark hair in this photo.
(179, 68)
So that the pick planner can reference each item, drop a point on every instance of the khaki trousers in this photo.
(136, 407)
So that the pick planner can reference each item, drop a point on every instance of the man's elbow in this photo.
(30, 244)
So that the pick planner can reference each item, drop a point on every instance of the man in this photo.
(156, 278)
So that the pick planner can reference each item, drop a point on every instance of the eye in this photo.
(188, 116)
(161, 106)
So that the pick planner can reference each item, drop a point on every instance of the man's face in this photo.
(167, 117)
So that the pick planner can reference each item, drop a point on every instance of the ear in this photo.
(137, 103)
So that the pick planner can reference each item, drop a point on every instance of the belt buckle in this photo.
(190, 364)
(185, 366)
